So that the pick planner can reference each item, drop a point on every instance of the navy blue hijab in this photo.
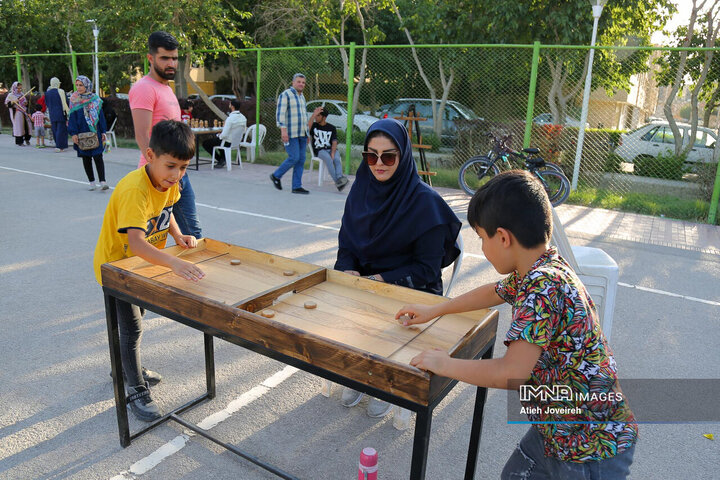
(381, 217)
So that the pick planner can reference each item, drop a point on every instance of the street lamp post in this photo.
(597, 8)
(96, 70)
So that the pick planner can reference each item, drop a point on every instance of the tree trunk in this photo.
(709, 43)
(236, 79)
(40, 79)
(678, 81)
(710, 105)
(25, 76)
(181, 81)
(203, 95)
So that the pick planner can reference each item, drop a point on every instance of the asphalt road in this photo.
(57, 417)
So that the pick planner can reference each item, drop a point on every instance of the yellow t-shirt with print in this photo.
(135, 203)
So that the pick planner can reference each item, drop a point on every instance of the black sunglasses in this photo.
(388, 158)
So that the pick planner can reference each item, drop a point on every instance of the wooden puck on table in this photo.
(235, 261)
(289, 273)
(310, 305)
(268, 313)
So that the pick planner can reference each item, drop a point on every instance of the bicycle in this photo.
(479, 169)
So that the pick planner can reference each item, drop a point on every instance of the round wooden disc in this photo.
(310, 305)
(234, 261)
(289, 273)
(268, 313)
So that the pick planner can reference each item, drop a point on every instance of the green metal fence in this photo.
(533, 92)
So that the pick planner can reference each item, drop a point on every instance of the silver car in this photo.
(657, 138)
(337, 115)
(453, 110)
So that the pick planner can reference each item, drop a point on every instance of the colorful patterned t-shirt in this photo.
(582, 414)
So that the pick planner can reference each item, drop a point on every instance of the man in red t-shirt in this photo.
(151, 101)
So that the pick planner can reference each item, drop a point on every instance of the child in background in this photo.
(137, 221)
(186, 108)
(38, 119)
(554, 340)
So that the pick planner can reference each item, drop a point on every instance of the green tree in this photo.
(570, 22)
(700, 67)
(338, 23)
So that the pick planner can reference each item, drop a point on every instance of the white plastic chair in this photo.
(322, 169)
(110, 134)
(251, 139)
(237, 135)
(456, 265)
(595, 268)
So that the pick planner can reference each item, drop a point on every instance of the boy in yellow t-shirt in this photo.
(137, 221)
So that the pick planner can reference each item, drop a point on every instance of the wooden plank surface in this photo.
(258, 271)
(365, 319)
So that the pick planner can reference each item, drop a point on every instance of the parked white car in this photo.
(546, 119)
(337, 114)
(657, 138)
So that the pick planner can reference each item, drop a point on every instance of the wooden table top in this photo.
(352, 331)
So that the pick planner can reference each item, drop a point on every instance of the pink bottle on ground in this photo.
(368, 464)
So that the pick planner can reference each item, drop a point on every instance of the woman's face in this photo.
(380, 145)
(79, 86)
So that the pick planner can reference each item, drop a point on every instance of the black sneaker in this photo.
(141, 404)
(153, 378)
(276, 181)
(220, 165)
(300, 190)
(341, 183)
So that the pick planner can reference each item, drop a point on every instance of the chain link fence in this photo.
(463, 92)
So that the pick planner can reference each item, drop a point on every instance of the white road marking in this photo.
(178, 443)
(670, 294)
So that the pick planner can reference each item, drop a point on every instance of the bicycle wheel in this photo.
(556, 185)
(475, 173)
(553, 166)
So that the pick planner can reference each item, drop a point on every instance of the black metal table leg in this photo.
(197, 152)
(476, 430)
(209, 365)
(116, 368)
(421, 444)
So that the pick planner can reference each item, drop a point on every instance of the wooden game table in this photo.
(350, 337)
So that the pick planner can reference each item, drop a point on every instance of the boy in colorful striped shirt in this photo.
(555, 344)
(38, 119)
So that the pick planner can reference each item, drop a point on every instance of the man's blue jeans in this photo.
(528, 462)
(296, 160)
(185, 211)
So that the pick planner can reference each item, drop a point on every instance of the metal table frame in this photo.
(208, 131)
(423, 422)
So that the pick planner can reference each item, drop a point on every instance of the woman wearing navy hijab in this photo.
(395, 228)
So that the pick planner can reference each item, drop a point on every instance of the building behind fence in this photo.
(533, 92)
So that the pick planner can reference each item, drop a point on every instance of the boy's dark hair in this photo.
(161, 39)
(235, 103)
(173, 138)
(38, 108)
(517, 202)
